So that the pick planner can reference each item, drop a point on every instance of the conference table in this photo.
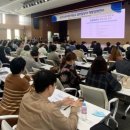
(4, 71)
(84, 65)
(91, 59)
(124, 91)
(10, 58)
(90, 51)
(91, 120)
(46, 66)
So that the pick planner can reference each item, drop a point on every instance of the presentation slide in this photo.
(104, 26)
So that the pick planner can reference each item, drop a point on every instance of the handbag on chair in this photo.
(126, 82)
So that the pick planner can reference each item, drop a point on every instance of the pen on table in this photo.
(67, 107)
(80, 98)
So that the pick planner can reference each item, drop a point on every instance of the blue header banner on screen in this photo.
(101, 10)
(54, 18)
(117, 7)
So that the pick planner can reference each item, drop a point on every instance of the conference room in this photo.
(64, 65)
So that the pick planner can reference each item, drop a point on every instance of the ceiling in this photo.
(16, 6)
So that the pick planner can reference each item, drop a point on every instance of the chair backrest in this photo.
(5, 125)
(49, 62)
(59, 85)
(1, 94)
(95, 96)
(117, 75)
(72, 91)
(100, 126)
(35, 69)
(14, 54)
(110, 63)
(5, 65)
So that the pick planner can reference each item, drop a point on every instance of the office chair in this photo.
(4, 124)
(61, 87)
(100, 126)
(1, 94)
(5, 65)
(110, 63)
(126, 111)
(98, 97)
(35, 69)
(119, 77)
(49, 62)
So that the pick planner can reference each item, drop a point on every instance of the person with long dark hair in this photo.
(99, 77)
(97, 49)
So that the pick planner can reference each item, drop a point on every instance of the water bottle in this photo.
(84, 111)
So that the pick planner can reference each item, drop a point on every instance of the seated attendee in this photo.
(37, 112)
(108, 47)
(97, 48)
(53, 55)
(118, 45)
(98, 52)
(93, 44)
(20, 48)
(11, 45)
(6, 48)
(115, 54)
(125, 46)
(35, 46)
(122, 66)
(83, 47)
(3, 57)
(49, 46)
(67, 51)
(79, 53)
(68, 74)
(14, 44)
(14, 88)
(32, 61)
(26, 51)
(99, 77)
(42, 51)
(72, 46)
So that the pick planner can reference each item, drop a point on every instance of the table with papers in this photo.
(46, 66)
(3, 73)
(83, 64)
(91, 120)
(124, 91)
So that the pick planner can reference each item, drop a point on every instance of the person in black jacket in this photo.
(108, 47)
(120, 48)
(83, 47)
(3, 57)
